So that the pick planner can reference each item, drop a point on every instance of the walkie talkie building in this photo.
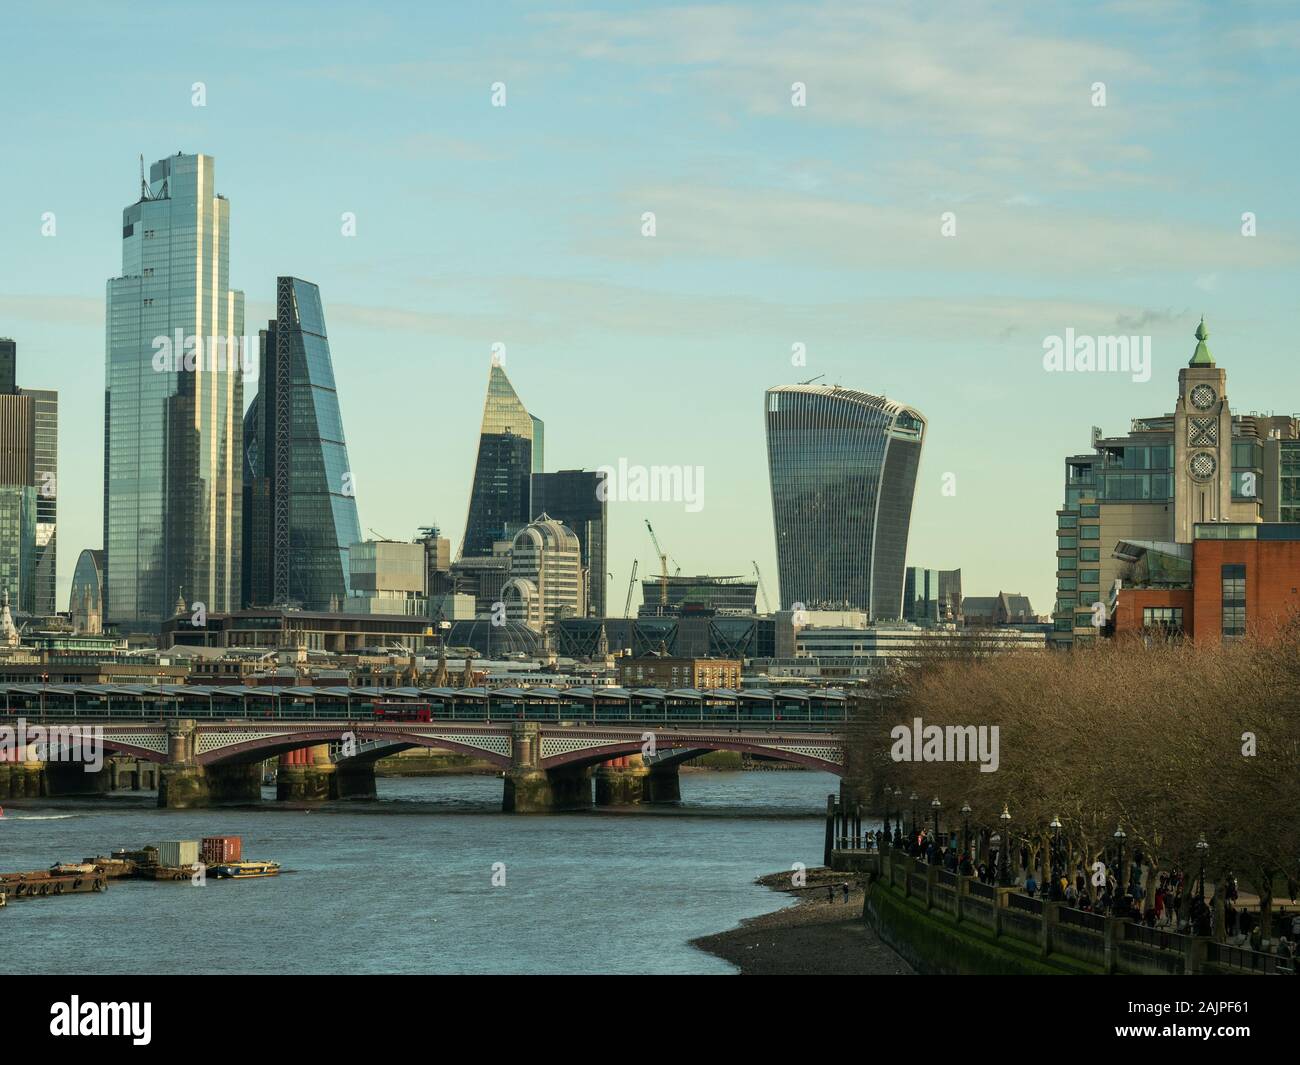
(843, 469)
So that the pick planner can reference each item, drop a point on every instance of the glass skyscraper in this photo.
(172, 470)
(29, 465)
(843, 470)
(509, 452)
(18, 500)
(300, 509)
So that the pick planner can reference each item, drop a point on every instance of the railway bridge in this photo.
(550, 745)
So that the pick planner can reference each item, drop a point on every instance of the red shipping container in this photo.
(217, 850)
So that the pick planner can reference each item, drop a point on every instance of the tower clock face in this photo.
(1202, 465)
(1203, 397)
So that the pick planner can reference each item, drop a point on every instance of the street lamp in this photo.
(936, 805)
(1057, 863)
(965, 828)
(913, 797)
(1120, 837)
(1003, 862)
(1202, 848)
(898, 814)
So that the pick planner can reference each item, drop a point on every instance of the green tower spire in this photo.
(1201, 356)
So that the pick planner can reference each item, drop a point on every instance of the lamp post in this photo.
(1120, 837)
(1202, 848)
(1004, 858)
(935, 806)
(1057, 863)
(965, 829)
(898, 814)
(913, 798)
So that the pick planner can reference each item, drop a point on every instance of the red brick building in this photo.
(1245, 579)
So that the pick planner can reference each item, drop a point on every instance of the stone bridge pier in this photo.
(306, 775)
(628, 781)
(532, 790)
(184, 784)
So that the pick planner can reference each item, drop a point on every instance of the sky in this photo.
(953, 190)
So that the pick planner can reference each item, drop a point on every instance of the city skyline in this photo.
(770, 223)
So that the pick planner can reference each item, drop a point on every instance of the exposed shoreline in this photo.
(814, 937)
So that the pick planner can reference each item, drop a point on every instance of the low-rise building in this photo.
(1235, 579)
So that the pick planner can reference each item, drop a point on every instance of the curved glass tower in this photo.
(843, 470)
(300, 507)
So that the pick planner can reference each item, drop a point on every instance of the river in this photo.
(404, 884)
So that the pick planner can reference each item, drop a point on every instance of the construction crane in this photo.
(663, 567)
(631, 583)
(767, 609)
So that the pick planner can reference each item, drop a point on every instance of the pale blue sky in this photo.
(776, 225)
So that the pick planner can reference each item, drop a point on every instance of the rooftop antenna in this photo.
(144, 188)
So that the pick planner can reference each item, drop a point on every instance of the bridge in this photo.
(209, 742)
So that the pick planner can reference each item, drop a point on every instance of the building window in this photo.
(1090, 510)
(1067, 521)
(1089, 532)
(1168, 619)
(1066, 542)
(1089, 576)
(1233, 578)
(1089, 554)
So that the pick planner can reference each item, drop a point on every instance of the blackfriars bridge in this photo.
(208, 743)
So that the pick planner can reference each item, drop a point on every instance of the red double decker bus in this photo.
(402, 711)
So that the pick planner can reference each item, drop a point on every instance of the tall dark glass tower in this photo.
(509, 452)
(173, 493)
(843, 469)
(573, 497)
(30, 425)
(299, 504)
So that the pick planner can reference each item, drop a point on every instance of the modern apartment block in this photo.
(843, 468)
(173, 479)
(300, 508)
(575, 498)
(1149, 489)
(509, 453)
(29, 466)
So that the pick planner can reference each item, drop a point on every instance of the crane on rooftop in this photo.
(663, 566)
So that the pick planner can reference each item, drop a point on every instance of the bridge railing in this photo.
(270, 707)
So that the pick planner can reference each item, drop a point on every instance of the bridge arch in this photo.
(809, 755)
(259, 748)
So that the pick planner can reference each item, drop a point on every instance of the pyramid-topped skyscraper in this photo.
(509, 452)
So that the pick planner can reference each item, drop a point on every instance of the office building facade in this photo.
(300, 510)
(932, 596)
(173, 482)
(545, 582)
(843, 468)
(1144, 493)
(576, 499)
(509, 453)
(29, 466)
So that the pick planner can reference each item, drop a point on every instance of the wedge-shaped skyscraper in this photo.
(172, 483)
(509, 453)
(843, 469)
(300, 506)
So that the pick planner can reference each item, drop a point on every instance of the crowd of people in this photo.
(1102, 893)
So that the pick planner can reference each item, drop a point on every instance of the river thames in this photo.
(404, 884)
